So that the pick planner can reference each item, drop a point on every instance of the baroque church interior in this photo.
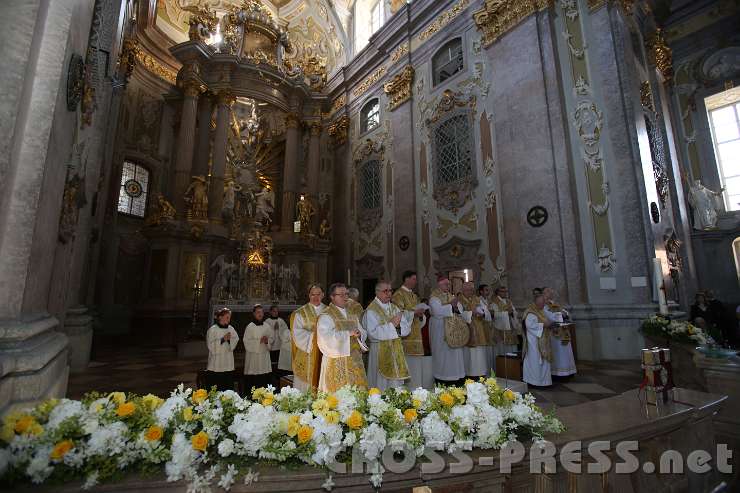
(163, 159)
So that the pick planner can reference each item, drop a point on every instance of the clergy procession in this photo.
(396, 340)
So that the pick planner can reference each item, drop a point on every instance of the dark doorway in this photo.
(368, 290)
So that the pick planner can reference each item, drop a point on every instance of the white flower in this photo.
(347, 402)
(167, 410)
(421, 395)
(183, 457)
(74, 458)
(328, 484)
(228, 478)
(372, 441)
(464, 416)
(253, 429)
(521, 412)
(108, 440)
(226, 447)
(489, 431)
(39, 469)
(477, 394)
(437, 435)
(376, 478)
(377, 405)
(251, 477)
(64, 410)
(91, 480)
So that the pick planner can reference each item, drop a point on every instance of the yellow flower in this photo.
(187, 413)
(332, 417)
(200, 395)
(446, 399)
(320, 406)
(293, 428)
(117, 397)
(151, 401)
(153, 434)
(24, 423)
(459, 394)
(48, 405)
(257, 394)
(200, 441)
(468, 380)
(61, 448)
(492, 383)
(7, 433)
(509, 395)
(355, 421)
(268, 400)
(36, 429)
(126, 409)
(410, 415)
(305, 433)
(332, 401)
(416, 403)
(374, 391)
(98, 407)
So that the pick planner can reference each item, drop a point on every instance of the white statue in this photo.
(706, 205)
(265, 206)
(230, 189)
(218, 290)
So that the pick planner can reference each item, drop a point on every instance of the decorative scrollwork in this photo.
(497, 17)
(398, 88)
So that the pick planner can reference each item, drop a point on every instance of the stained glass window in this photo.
(134, 189)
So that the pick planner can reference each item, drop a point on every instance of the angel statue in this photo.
(306, 211)
(196, 196)
(706, 205)
(265, 206)
(230, 190)
(162, 213)
(225, 269)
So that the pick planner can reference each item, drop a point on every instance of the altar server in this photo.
(221, 339)
(537, 352)
(476, 351)
(282, 336)
(258, 337)
(448, 361)
(418, 361)
(563, 362)
(386, 324)
(505, 323)
(305, 354)
(341, 340)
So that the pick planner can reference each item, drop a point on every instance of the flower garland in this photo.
(213, 437)
(675, 330)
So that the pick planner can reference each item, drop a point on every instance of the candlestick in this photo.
(349, 280)
(659, 286)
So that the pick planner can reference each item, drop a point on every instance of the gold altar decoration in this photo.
(196, 196)
(305, 210)
(661, 55)
(448, 102)
(152, 65)
(400, 51)
(646, 96)
(202, 23)
(338, 103)
(127, 59)
(339, 131)
(313, 68)
(399, 87)
(369, 81)
(443, 19)
(161, 213)
(497, 17)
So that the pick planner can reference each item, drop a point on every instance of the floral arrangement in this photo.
(214, 437)
(675, 330)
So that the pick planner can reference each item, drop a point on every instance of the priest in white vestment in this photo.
(505, 322)
(563, 362)
(341, 339)
(386, 324)
(477, 350)
(537, 353)
(448, 362)
(258, 337)
(418, 360)
(305, 354)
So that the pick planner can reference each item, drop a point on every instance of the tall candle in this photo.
(659, 287)
(349, 279)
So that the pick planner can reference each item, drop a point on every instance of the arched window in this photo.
(370, 189)
(370, 115)
(454, 151)
(447, 61)
(134, 189)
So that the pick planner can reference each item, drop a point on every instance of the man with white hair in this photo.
(448, 357)
(563, 362)
(386, 324)
(537, 349)
(354, 306)
(415, 344)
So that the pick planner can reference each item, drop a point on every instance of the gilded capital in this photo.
(191, 88)
(339, 131)
(315, 129)
(225, 98)
(497, 17)
(398, 88)
(292, 120)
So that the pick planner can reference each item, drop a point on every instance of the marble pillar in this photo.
(185, 146)
(203, 147)
(314, 170)
(220, 142)
(291, 180)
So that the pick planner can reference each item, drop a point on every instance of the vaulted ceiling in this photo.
(316, 27)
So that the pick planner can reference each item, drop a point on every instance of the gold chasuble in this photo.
(306, 366)
(543, 343)
(391, 358)
(478, 326)
(457, 332)
(344, 370)
(354, 308)
(413, 344)
(508, 337)
(559, 332)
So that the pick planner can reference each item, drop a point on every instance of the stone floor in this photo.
(158, 370)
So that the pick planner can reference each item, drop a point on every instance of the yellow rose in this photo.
(187, 413)
(416, 403)
(332, 417)
(151, 401)
(199, 441)
(200, 395)
(7, 433)
(24, 423)
(355, 421)
(293, 427)
(320, 406)
(268, 400)
(332, 401)
(374, 391)
(117, 397)
(410, 415)
(126, 409)
(257, 394)
(153, 434)
(60, 449)
(509, 395)
(305, 433)
(446, 399)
